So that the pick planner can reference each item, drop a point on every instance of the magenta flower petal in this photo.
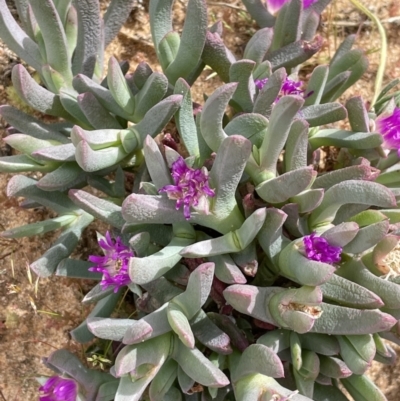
(308, 3)
(318, 248)
(114, 264)
(260, 83)
(289, 87)
(389, 128)
(190, 186)
(274, 6)
(58, 388)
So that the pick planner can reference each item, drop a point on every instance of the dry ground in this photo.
(36, 318)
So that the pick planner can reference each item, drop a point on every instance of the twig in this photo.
(382, 64)
(2, 396)
(221, 4)
(392, 20)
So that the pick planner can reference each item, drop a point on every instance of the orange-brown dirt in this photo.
(36, 316)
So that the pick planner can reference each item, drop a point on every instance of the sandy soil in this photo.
(36, 316)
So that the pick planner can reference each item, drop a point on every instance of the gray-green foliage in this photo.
(227, 302)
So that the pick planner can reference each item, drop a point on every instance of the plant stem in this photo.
(383, 58)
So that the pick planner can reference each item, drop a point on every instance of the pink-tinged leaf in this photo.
(163, 381)
(298, 267)
(100, 208)
(20, 185)
(157, 117)
(22, 163)
(258, 45)
(151, 353)
(252, 300)
(295, 53)
(54, 38)
(89, 42)
(362, 386)
(350, 191)
(62, 178)
(41, 227)
(367, 237)
(281, 120)
(31, 126)
(198, 367)
(180, 325)
(242, 72)
(96, 293)
(336, 319)
(94, 160)
(103, 308)
(156, 165)
(59, 153)
(358, 114)
(316, 85)
(250, 125)
(150, 326)
(258, 358)
(115, 16)
(345, 139)
(152, 93)
(287, 185)
(388, 291)
(357, 351)
(296, 146)
(149, 268)
(97, 139)
(258, 10)
(210, 335)
(363, 171)
(213, 114)
(227, 171)
(109, 329)
(17, 40)
(345, 292)
(217, 55)
(334, 367)
(36, 96)
(192, 42)
(98, 116)
(310, 367)
(197, 290)
(62, 248)
(308, 200)
(321, 114)
(229, 243)
(322, 344)
(119, 87)
(84, 84)
(226, 270)
(341, 234)
(150, 210)
(257, 387)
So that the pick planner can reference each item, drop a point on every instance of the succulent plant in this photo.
(254, 273)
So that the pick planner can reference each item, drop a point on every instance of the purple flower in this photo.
(389, 127)
(318, 248)
(274, 6)
(289, 87)
(114, 263)
(58, 388)
(190, 186)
